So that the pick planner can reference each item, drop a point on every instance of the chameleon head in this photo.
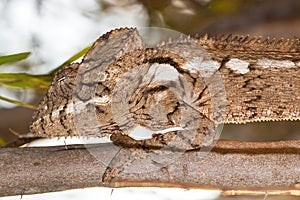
(121, 85)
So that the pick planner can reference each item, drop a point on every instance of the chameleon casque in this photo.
(181, 90)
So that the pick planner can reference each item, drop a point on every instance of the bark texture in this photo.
(230, 165)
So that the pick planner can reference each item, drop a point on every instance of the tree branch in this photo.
(229, 165)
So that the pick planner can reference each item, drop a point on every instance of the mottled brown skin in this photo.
(250, 95)
(57, 98)
(270, 93)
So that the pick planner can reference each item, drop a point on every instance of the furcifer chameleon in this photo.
(118, 83)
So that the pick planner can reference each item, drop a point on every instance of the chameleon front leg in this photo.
(123, 158)
(160, 145)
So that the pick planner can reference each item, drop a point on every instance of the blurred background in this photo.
(54, 30)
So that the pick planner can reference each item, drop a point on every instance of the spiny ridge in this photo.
(239, 41)
(243, 121)
(256, 43)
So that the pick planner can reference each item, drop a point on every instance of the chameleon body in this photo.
(209, 81)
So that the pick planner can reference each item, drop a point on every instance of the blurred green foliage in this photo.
(221, 7)
(2, 142)
(30, 81)
(13, 57)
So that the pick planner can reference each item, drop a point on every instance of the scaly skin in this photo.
(117, 87)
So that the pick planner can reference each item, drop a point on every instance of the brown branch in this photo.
(229, 165)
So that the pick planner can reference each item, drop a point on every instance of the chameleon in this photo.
(180, 90)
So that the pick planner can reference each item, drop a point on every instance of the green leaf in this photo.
(30, 81)
(72, 59)
(25, 81)
(26, 105)
(13, 57)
